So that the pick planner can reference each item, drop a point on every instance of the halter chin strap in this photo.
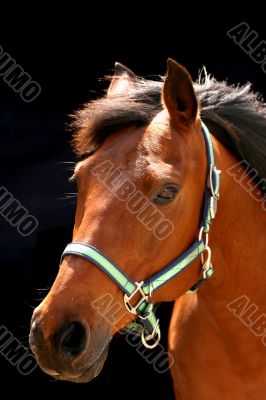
(137, 294)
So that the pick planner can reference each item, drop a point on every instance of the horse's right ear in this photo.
(121, 81)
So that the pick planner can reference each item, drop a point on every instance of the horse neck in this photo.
(237, 237)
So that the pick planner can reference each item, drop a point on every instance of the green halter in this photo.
(143, 308)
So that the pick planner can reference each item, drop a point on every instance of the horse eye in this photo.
(166, 194)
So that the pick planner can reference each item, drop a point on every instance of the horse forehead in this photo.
(138, 145)
(140, 151)
(159, 144)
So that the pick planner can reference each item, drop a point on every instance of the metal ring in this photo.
(144, 340)
(206, 241)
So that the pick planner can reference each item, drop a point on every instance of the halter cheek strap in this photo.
(143, 290)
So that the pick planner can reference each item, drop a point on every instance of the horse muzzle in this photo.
(72, 353)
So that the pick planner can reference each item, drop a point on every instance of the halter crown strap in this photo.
(143, 307)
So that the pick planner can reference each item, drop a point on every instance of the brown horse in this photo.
(143, 147)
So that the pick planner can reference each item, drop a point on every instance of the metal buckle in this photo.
(133, 309)
(213, 206)
(156, 331)
(213, 170)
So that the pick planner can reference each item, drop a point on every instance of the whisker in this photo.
(38, 300)
(30, 305)
(43, 289)
(69, 196)
(66, 162)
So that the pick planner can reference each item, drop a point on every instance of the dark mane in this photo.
(234, 114)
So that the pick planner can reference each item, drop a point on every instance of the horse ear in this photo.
(178, 94)
(122, 79)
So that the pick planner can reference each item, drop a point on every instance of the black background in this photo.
(66, 54)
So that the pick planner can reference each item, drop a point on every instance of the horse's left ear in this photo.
(121, 81)
(178, 94)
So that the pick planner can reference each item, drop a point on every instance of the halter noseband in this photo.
(143, 307)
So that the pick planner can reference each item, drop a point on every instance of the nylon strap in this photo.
(92, 254)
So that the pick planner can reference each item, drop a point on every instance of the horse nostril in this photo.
(73, 339)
